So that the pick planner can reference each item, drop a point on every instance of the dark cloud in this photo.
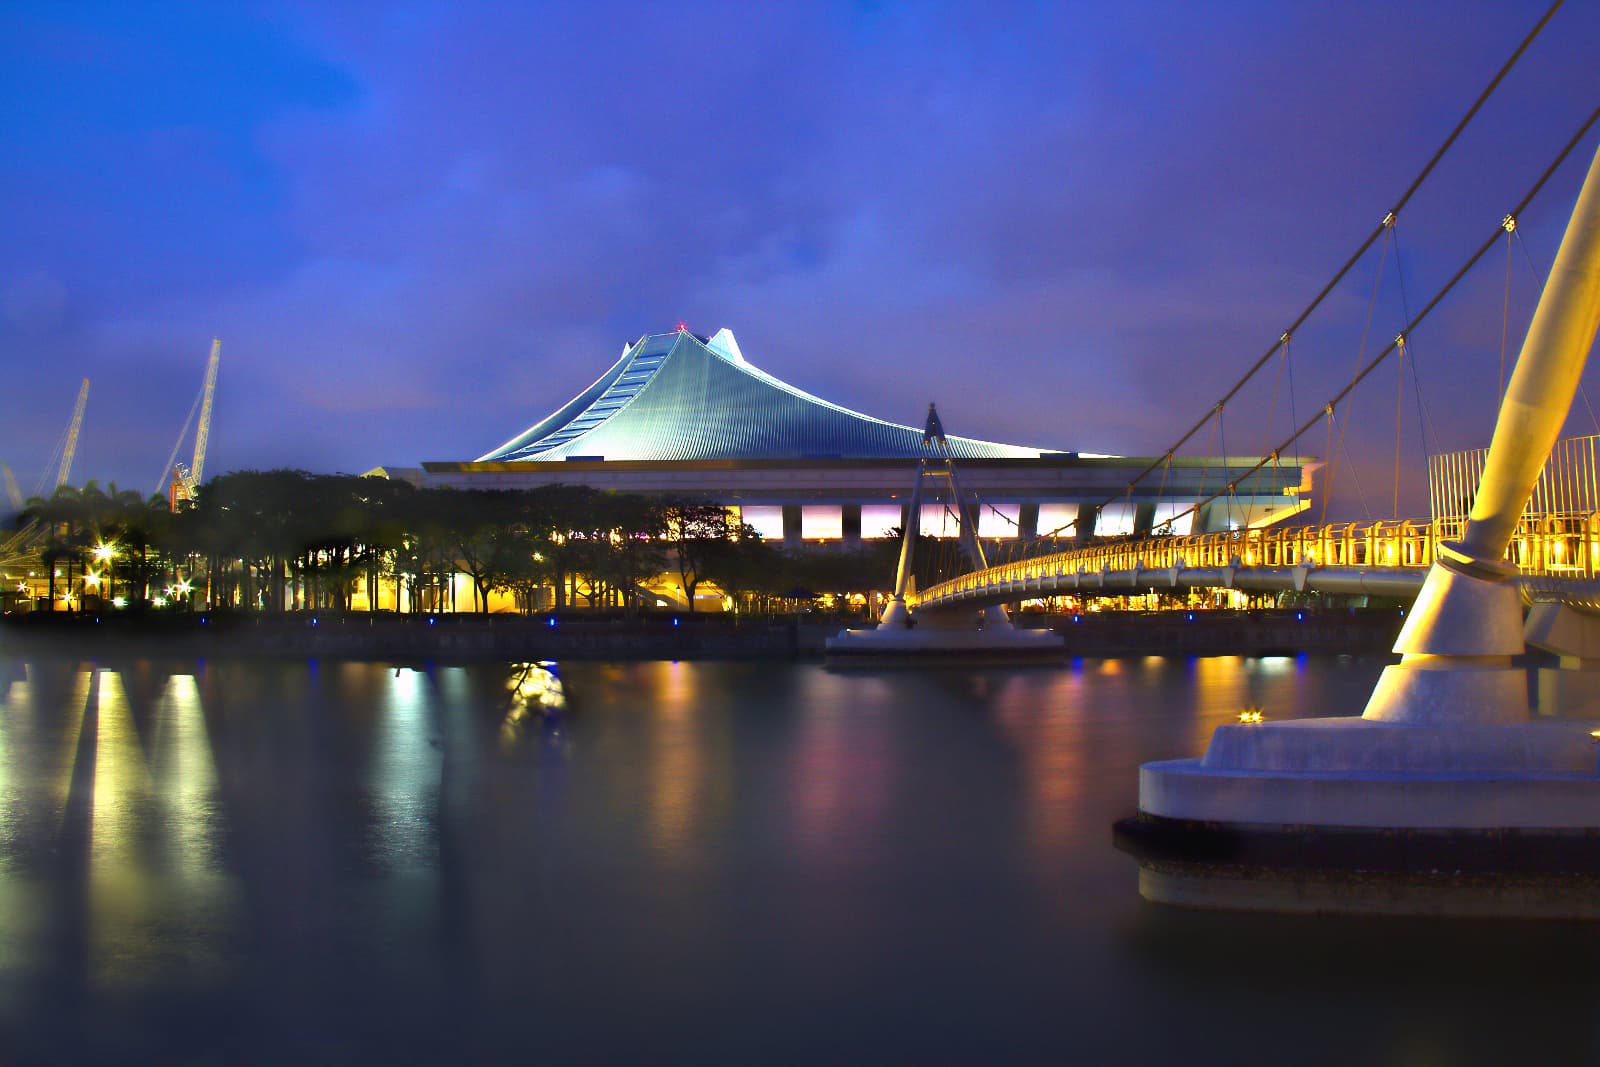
(420, 227)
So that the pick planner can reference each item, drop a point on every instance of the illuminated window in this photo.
(1053, 517)
(998, 520)
(1115, 520)
(1164, 514)
(940, 520)
(821, 522)
(768, 521)
(879, 520)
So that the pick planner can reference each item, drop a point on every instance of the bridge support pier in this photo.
(1572, 690)
(1456, 649)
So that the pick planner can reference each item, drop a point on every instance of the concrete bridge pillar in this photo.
(792, 537)
(1572, 690)
(1088, 518)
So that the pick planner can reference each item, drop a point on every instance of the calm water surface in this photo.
(753, 863)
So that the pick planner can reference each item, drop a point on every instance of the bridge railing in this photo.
(1559, 545)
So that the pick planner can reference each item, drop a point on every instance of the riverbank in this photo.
(513, 637)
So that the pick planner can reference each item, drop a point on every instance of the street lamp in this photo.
(104, 553)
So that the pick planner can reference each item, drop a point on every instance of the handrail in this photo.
(1564, 545)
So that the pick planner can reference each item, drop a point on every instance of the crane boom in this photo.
(202, 434)
(71, 448)
(13, 490)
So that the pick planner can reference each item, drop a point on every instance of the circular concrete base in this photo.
(1356, 815)
(1482, 874)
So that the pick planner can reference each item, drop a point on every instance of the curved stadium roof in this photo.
(676, 396)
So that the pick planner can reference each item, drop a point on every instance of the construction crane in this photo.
(13, 491)
(21, 547)
(186, 480)
(71, 447)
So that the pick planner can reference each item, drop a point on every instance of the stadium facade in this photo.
(688, 416)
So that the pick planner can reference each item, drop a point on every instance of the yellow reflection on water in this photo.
(1222, 688)
(11, 705)
(187, 773)
(533, 691)
(67, 757)
(677, 786)
(155, 879)
(122, 898)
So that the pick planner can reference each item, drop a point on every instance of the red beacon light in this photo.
(683, 327)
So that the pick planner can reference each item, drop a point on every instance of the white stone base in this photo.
(1304, 894)
(1449, 694)
(1360, 773)
(1565, 693)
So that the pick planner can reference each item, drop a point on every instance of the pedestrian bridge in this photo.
(1556, 557)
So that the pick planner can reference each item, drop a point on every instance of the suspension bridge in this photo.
(1555, 551)
(1551, 553)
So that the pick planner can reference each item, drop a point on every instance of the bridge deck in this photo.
(1556, 555)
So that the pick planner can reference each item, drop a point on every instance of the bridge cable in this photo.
(1438, 297)
(1222, 440)
(1378, 231)
(1161, 490)
(1361, 353)
(1399, 414)
(1272, 409)
(1510, 225)
(1399, 380)
(1294, 416)
(1424, 415)
(1286, 337)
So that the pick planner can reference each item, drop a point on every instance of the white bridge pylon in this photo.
(952, 628)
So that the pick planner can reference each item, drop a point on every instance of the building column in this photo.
(791, 525)
(1027, 521)
(850, 525)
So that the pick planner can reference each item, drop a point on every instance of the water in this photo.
(748, 863)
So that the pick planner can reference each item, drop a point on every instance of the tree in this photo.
(695, 532)
(742, 563)
(61, 516)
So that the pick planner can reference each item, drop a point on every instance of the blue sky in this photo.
(420, 227)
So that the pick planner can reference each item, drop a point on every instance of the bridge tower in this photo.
(899, 630)
(1446, 752)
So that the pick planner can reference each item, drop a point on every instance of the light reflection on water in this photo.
(678, 773)
(344, 862)
(404, 774)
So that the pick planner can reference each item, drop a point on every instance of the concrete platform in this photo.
(1356, 772)
(1486, 873)
(903, 641)
(1359, 816)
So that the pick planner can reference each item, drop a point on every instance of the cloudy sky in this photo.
(420, 227)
